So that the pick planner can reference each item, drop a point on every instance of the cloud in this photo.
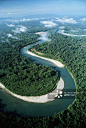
(22, 28)
(29, 19)
(42, 18)
(19, 29)
(11, 13)
(49, 23)
(62, 27)
(10, 35)
(43, 36)
(65, 20)
(22, 20)
(25, 19)
(83, 19)
(8, 13)
(16, 21)
(10, 25)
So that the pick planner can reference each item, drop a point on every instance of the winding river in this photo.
(28, 109)
(66, 34)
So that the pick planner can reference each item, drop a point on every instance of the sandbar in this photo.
(39, 99)
(70, 34)
(57, 63)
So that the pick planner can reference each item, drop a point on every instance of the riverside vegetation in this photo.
(71, 51)
(22, 76)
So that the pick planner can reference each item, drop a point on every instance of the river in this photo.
(28, 109)
(66, 34)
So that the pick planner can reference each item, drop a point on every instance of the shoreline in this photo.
(37, 52)
(70, 34)
(57, 63)
(39, 99)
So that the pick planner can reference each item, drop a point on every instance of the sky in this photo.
(15, 8)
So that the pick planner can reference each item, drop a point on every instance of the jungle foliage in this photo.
(19, 74)
(71, 51)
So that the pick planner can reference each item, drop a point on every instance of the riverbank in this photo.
(37, 52)
(57, 63)
(70, 34)
(38, 99)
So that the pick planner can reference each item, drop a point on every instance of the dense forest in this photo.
(76, 30)
(19, 74)
(68, 50)
(71, 52)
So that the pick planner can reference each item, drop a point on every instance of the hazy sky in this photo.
(12, 8)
